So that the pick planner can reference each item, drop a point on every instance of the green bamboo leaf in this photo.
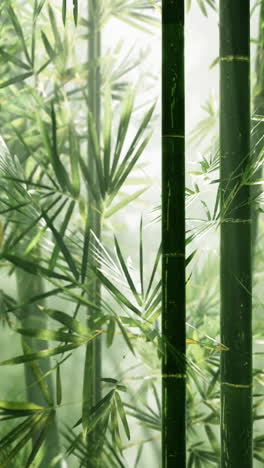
(32, 267)
(16, 61)
(16, 432)
(125, 336)
(139, 453)
(38, 374)
(214, 63)
(19, 32)
(44, 353)
(201, 5)
(32, 430)
(61, 244)
(116, 292)
(75, 11)
(126, 112)
(98, 411)
(213, 382)
(58, 386)
(38, 9)
(49, 49)
(141, 263)
(107, 133)
(74, 151)
(59, 169)
(62, 231)
(122, 414)
(50, 335)
(35, 239)
(55, 30)
(212, 439)
(69, 322)
(16, 79)
(191, 460)
(142, 128)
(124, 202)
(115, 428)
(110, 333)
(64, 11)
(126, 273)
(154, 269)
(37, 298)
(34, 223)
(51, 148)
(41, 439)
(20, 406)
(190, 257)
(127, 168)
(109, 380)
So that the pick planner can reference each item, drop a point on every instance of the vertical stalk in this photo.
(92, 371)
(235, 271)
(258, 126)
(173, 236)
(28, 286)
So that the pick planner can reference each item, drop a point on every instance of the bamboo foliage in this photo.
(173, 234)
(258, 125)
(236, 289)
(51, 136)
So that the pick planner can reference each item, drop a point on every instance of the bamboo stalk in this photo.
(173, 236)
(28, 286)
(258, 126)
(92, 371)
(235, 270)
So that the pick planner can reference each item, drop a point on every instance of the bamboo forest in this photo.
(131, 233)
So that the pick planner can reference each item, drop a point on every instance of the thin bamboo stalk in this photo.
(92, 371)
(29, 286)
(258, 126)
(235, 270)
(173, 236)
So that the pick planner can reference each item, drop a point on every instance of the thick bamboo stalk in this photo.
(29, 286)
(258, 125)
(236, 288)
(173, 236)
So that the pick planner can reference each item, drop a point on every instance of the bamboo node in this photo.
(236, 220)
(175, 376)
(173, 136)
(174, 254)
(229, 384)
(233, 58)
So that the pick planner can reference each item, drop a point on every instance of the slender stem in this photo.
(92, 372)
(235, 271)
(29, 286)
(258, 126)
(173, 236)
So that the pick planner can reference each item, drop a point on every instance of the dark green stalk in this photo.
(236, 287)
(92, 372)
(173, 236)
(258, 126)
(29, 286)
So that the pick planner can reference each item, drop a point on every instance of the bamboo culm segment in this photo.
(173, 237)
(235, 265)
(92, 370)
(32, 317)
